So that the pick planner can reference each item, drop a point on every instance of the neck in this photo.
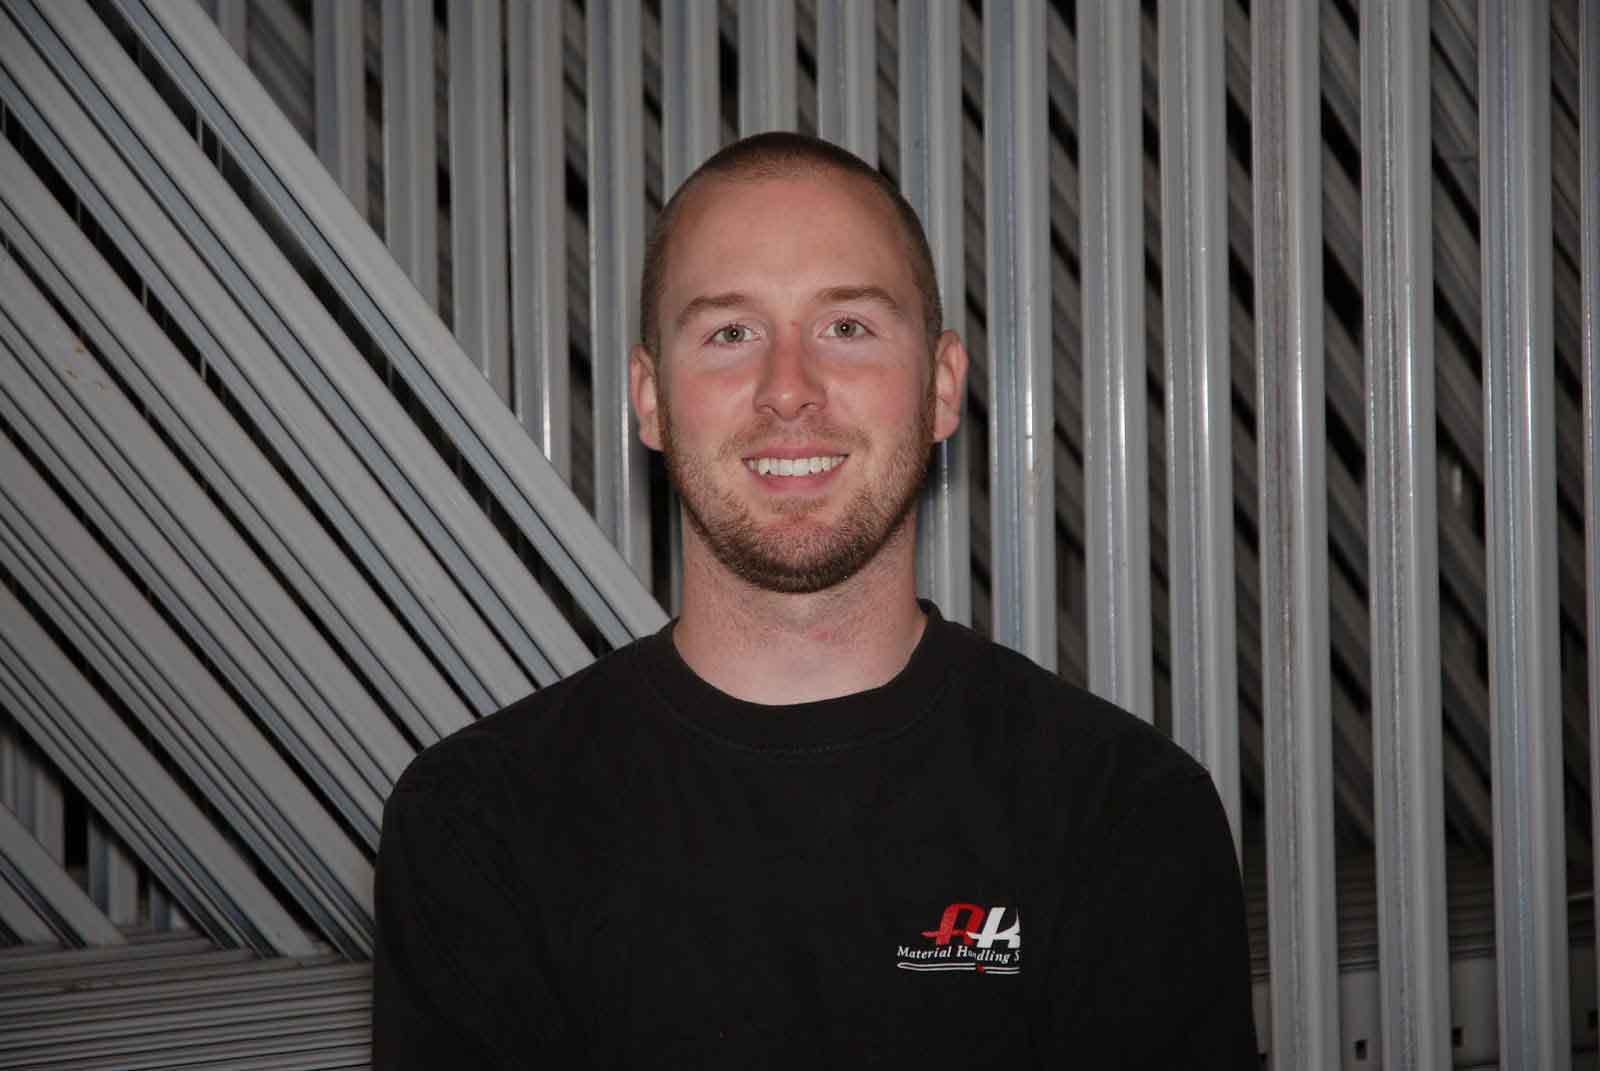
(774, 648)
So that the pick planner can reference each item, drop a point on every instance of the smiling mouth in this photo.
(793, 466)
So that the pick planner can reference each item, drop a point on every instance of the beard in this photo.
(798, 554)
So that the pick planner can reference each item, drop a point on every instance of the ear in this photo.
(642, 388)
(949, 384)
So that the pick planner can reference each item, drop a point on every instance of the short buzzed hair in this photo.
(780, 154)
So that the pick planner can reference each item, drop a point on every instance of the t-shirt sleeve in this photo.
(1159, 928)
(460, 978)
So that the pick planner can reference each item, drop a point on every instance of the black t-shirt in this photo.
(974, 865)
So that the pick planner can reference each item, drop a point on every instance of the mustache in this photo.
(769, 432)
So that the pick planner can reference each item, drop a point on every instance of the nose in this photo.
(790, 383)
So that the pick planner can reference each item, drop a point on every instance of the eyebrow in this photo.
(731, 299)
(831, 295)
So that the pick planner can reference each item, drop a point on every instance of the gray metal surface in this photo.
(847, 75)
(1116, 468)
(112, 875)
(149, 664)
(478, 191)
(691, 118)
(1520, 519)
(121, 779)
(766, 66)
(235, 468)
(1589, 126)
(233, 22)
(424, 354)
(1286, 139)
(931, 178)
(197, 567)
(325, 362)
(538, 230)
(43, 887)
(1021, 412)
(1194, 260)
(616, 248)
(1402, 522)
(410, 151)
(164, 1002)
(691, 130)
(338, 39)
(275, 400)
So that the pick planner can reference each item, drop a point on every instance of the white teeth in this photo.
(799, 466)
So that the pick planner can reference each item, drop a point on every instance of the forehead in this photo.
(824, 227)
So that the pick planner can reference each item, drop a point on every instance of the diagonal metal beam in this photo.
(42, 894)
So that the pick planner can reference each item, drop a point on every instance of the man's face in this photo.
(793, 397)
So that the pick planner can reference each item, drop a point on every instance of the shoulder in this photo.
(534, 733)
(1073, 742)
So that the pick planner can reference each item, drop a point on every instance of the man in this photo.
(809, 823)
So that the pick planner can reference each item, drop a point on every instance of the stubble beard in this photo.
(793, 556)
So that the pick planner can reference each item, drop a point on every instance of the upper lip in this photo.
(792, 453)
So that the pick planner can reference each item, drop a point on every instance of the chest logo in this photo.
(969, 937)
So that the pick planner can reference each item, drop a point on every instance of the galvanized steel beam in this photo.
(766, 66)
(1296, 718)
(538, 175)
(1199, 418)
(931, 158)
(691, 130)
(491, 441)
(1402, 529)
(86, 739)
(1520, 524)
(1589, 215)
(193, 561)
(233, 22)
(104, 615)
(113, 875)
(351, 402)
(478, 191)
(234, 467)
(616, 248)
(691, 116)
(1116, 467)
(339, 42)
(1021, 401)
(847, 75)
(410, 149)
(47, 892)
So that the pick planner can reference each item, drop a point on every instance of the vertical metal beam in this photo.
(616, 247)
(232, 17)
(1520, 523)
(478, 191)
(1021, 400)
(691, 115)
(338, 41)
(766, 66)
(1194, 269)
(39, 881)
(691, 130)
(930, 176)
(539, 229)
(1589, 222)
(1403, 534)
(1115, 465)
(847, 75)
(34, 795)
(410, 153)
(113, 876)
(1286, 152)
